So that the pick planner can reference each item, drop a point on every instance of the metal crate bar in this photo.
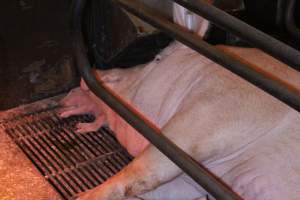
(184, 161)
(257, 38)
(284, 93)
(148, 130)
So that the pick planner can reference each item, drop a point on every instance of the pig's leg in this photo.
(92, 126)
(144, 174)
(203, 141)
(72, 99)
(118, 80)
(83, 101)
(150, 169)
(182, 187)
(78, 102)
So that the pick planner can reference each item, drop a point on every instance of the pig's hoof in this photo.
(90, 127)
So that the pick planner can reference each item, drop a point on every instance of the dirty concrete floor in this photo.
(19, 179)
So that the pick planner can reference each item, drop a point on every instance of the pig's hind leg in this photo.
(182, 187)
(150, 175)
(145, 173)
(151, 169)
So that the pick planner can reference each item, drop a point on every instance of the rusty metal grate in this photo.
(71, 162)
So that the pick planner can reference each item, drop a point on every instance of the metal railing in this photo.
(208, 181)
(257, 38)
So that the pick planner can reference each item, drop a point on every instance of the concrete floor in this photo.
(19, 179)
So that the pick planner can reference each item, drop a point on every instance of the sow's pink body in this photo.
(244, 136)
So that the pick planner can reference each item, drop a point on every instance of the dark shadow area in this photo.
(35, 51)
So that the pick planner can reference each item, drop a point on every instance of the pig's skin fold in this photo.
(241, 134)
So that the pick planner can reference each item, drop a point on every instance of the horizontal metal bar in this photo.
(257, 38)
(172, 151)
(285, 93)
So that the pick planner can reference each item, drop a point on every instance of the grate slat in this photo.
(58, 188)
(70, 162)
(70, 183)
(75, 182)
(62, 155)
(72, 153)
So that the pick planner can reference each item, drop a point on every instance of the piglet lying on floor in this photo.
(241, 134)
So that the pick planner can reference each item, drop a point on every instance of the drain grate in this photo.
(71, 163)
